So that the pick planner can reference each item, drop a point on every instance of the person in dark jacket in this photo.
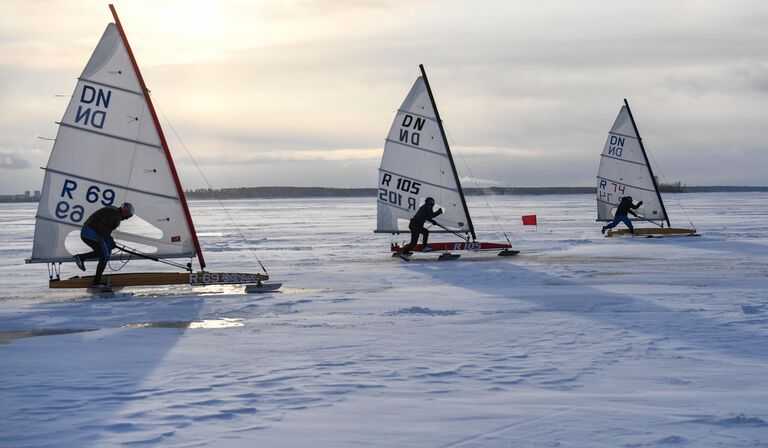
(624, 208)
(416, 225)
(97, 234)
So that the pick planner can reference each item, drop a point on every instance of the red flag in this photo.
(529, 220)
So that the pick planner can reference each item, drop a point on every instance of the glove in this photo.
(439, 212)
(110, 243)
(640, 203)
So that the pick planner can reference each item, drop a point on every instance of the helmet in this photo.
(429, 201)
(126, 210)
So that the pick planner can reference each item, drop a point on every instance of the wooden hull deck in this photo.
(653, 232)
(506, 249)
(199, 278)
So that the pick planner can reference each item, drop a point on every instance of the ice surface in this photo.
(580, 341)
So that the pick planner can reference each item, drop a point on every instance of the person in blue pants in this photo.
(97, 234)
(625, 207)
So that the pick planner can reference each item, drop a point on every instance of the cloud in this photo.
(475, 151)
(302, 91)
(475, 182)
(252, 158)
(13, 161)
(336, 154)
(292, 9)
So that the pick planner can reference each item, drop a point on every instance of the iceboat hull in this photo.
(651, 232)
(199, 278)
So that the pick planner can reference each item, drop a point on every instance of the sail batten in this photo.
(116, 137)
(633, 186)
(623, 160)
(418, 115)
(111, 86)
(406, 177)
(136, 190)
(633, 137)
(66, 259)
(394, 142)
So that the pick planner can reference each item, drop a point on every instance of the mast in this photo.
(647, 163)
(163, 142)
(448, 150)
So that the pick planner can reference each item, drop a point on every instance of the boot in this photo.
(79, 262)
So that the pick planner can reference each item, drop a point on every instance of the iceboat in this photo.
(109, 149)
(626, 171)
(417, 163)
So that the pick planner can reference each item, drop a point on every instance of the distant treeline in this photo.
(278, 192)
(723, 189)
(323, 192)
(6, 198)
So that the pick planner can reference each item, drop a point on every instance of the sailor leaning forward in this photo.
(97, 234)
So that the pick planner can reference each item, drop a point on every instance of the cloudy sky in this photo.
(303, 92)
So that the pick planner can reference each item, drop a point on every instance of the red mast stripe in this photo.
(164, 143)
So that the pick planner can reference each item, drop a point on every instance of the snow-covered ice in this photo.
(580, 341)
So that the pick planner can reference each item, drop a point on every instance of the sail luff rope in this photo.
(125, 194)
(135, 146)
(482, 194)
(221, 204)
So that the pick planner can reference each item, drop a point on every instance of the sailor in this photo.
(625, 207)
(97, 234)
(416, 226)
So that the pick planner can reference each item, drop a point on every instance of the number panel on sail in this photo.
(67, 200)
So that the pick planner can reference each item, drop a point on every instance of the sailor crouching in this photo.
(97, 234)
(416, 225)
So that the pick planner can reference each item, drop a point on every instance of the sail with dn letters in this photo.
(626, 171)
(110, 149)
(417, 164)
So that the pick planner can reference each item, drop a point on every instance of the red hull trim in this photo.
(458, 246)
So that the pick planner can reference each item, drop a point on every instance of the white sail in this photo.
(624, 171)
(108, 151)
(416, 164)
